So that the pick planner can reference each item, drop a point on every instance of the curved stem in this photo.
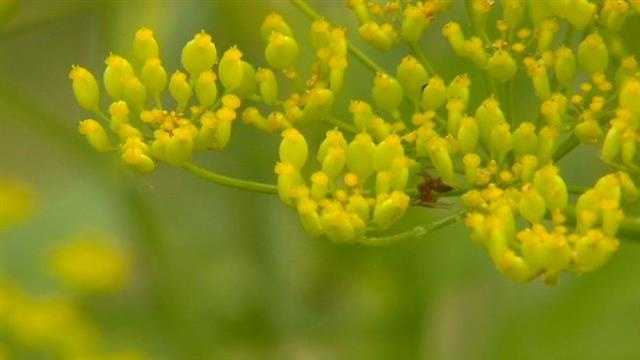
(227, 181)
(416, 232)
(306, 9)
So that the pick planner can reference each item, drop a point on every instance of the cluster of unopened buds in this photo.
(420, 136)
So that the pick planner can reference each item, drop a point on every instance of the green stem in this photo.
(416, 232)
(340, 124)
(566, 147)
(231, 182)
(416, 49)
(307, 10)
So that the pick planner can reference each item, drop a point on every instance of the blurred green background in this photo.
(222, 274)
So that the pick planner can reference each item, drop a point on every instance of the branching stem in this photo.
(231, 182)
(312, 14)
(416, 232)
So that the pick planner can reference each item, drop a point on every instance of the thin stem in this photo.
(340, 124)
(416, 49)
(307, 10)
(568, 145)
(416, 232)
(231, 182)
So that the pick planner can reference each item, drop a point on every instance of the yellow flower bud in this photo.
(538, 73)
(441, 160)
(501, 66)
(547, 144)
(514, 267)
(145, 46)
(362, 114)
(589, 131)
(553, 110)
(565, 65)
(206, 89)
(333, 139)
(180, 90)
(180, 147)
(629, 190)
(289, 180)
(387, 93)
(381, 36)
(199, 54)
(628, 148)
(468, 135)
(119, 114)
(525, 139)
(281, 51)
(592, 250)
(390, 209)
(488, 115)
(529, 164)
(134, 92)
(546, 33)
(474, 50)
(612, 144)
(459, 89)
(580, 13)
(614, 13)
(231, 68)
(532, 205)
(412, 77)
(360, 156)
(399, 173)
(96, 135)
(414, 21)
(318, 104)
(308, 213)
(552, 187)
(222, 132)
(359, 206)
(137, 158)
(626, 70)
(500, 142)
(293, 148)
(338, 226)
(386, 151)
(274, 23)
(334, 161)
(434, 94)
(319, 185)
(629, 95)
(154, 76)
(471, 162)
(479, 10)
(593, 55)
(117, 71)
(453, 33)
(85, 88)
(267, 85)
(513, 12)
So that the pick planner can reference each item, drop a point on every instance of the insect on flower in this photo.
(429, 189)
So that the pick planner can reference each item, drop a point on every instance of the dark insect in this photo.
(428, 190)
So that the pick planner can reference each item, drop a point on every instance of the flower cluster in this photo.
(569, 54)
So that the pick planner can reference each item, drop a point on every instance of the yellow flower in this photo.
(91, 262)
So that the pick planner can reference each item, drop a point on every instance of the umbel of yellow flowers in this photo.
(363, 177)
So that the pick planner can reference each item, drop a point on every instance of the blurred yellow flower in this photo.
(17, 202)
(91, 262)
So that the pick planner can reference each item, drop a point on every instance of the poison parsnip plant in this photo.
(417, 136)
